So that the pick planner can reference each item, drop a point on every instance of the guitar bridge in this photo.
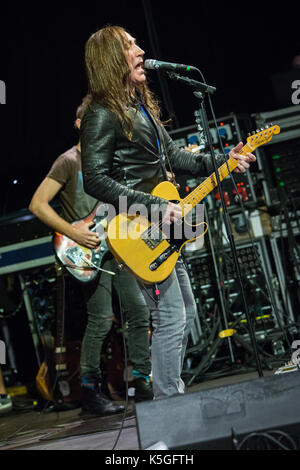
(75, 255)
(162, 257)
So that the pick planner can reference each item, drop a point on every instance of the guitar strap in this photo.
(161, 147)
(173, 180)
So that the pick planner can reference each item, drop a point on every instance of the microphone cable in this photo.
(125, 364)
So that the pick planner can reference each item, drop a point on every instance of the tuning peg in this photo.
(266, 126)
(253, 132)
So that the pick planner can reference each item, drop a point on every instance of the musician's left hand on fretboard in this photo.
(243, 160)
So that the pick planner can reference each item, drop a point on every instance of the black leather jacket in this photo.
(113, 166)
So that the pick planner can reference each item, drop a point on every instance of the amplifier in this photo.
(265, 304)
(22, 226)
(253, 414)
(26, 255)
(286, 118)
(280, 165)
(285, 249)
(278, 160)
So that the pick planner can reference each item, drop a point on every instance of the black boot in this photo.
(143, 389)
(95, 402)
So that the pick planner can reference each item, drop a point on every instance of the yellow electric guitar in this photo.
(144, 249)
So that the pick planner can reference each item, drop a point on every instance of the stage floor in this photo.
(70, 430)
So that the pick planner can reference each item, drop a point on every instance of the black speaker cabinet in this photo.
(209, 419)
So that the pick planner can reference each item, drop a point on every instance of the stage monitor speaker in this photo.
(221, 418)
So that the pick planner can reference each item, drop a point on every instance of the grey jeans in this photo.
(98, 296)
(172, 319)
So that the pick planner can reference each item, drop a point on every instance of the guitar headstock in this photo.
(262, 136)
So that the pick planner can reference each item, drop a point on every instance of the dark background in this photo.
(238, 48)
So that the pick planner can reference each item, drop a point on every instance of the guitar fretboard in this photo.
(211, 182)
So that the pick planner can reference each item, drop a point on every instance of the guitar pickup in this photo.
(153, 236)
(162, 257)
(61, 367)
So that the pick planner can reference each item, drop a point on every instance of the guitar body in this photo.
(42, 382)
(83, 263)
(129, 248)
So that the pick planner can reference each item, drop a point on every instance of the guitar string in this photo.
(210, 186)
(211, 181)
(196, 194)
(246, 148)
(191, 200)
(202, 190)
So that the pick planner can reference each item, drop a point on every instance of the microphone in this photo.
(157, 64)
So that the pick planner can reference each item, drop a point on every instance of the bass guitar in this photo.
(143, 248)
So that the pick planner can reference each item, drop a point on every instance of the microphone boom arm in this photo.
(203, 87)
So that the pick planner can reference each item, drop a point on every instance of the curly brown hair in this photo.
(108, 75)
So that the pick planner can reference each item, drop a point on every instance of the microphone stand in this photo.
(204, 88)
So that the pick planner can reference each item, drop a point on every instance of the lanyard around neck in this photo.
(148, 117)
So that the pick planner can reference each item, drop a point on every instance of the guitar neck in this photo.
(210, 183)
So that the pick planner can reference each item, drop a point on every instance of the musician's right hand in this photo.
(84, 236)
(173, 213)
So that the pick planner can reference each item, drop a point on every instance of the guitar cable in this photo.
(86, 268)
(125, 363)
(156, 292)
